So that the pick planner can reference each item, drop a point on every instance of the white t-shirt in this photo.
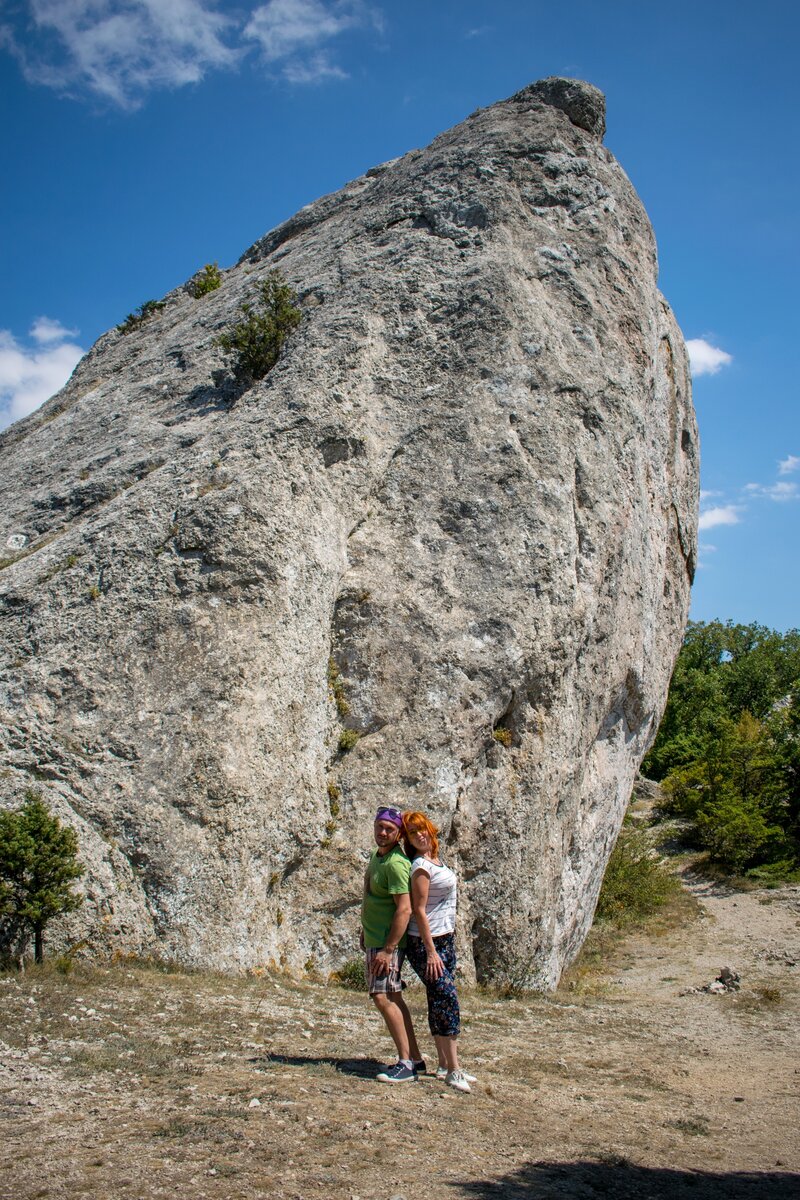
(441, 906)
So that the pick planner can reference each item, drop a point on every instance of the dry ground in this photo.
(125, 1081)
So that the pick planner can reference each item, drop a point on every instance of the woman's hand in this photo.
(434, 968)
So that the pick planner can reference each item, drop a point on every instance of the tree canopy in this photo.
(38, 864)
(728, 749)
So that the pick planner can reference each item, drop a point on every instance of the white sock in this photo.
(406, 1063)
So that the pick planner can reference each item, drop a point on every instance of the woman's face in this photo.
(420, 840)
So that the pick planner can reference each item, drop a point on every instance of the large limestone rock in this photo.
(471, 482)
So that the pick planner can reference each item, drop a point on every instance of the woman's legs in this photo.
(444, 1018)
(447, 1050)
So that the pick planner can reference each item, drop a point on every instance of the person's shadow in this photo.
(361, 1068)
(621, 1180)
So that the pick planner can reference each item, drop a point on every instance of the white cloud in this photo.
(30, 375)
(708, 495)
(779, 492)
(727, 514)
(44, 330)
(121, 49)
(787, 465)
(706, 359)
(291, 32)
(315, 70)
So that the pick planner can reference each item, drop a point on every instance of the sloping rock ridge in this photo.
(458, 518)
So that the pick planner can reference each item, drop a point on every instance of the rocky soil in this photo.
(124, 1081)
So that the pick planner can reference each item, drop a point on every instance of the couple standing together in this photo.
(409, 910)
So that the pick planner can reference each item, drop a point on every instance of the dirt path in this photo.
(129, 1082)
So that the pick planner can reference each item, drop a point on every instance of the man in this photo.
(385, 912)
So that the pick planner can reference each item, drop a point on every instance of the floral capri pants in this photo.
(444, 1017)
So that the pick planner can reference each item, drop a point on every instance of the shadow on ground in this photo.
(626, 1181)
(362, 1068)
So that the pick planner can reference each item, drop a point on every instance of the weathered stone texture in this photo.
(471, 480)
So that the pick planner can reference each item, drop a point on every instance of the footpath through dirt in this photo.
(124, 1081)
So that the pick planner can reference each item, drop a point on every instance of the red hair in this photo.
(417, 822)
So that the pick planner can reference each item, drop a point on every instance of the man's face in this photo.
(387, 835)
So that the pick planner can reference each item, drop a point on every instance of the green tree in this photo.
(38, 863)
(255, 342)
(728, 750)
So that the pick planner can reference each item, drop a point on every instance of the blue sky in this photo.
(143, 138)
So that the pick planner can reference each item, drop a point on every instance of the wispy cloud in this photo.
(787, 465)
(120, 50)
(291, 32)
(779, 492)
(722, 514)
(29, 375)
(478, 31)
(706, 359)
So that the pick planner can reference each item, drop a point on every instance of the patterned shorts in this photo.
(390, 982)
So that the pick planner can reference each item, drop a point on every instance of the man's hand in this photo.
(383, 962)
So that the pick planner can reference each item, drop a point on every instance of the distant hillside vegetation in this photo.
(728, 749)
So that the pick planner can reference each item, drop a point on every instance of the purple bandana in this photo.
(390, 814)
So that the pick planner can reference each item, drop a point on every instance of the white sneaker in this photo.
(457, 1080)
(441, 1075)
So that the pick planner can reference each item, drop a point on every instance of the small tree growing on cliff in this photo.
(255, 342)
(38, 863)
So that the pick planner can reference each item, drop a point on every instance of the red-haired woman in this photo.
(430, 945)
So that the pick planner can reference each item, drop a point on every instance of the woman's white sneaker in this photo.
(442, 1072)
(457, 1080)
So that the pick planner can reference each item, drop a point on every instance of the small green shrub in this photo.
(347, 739)
(636, 883)
(337, 688)
(334, 796)
(351, 975)
(503, 736)
(255, 342)
(208, 280)
(142, 313)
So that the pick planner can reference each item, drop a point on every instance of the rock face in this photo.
(470, 483)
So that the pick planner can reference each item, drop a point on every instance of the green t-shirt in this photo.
(389, 875)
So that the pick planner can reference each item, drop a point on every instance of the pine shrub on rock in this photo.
(141, 314)
(207, 280)
(255, 342)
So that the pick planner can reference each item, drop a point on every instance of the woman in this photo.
(430, 946)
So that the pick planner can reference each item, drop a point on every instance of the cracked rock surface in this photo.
(458, 518)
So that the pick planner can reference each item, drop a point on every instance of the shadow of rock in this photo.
(622, 1180)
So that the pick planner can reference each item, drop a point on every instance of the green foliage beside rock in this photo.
(38, 865)
(728, 750)
(141, 314)
(207, 280)
(255, 342)
(636, 883)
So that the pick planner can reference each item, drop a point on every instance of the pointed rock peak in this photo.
(584, 104)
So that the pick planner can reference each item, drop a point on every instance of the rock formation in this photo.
(458, 518)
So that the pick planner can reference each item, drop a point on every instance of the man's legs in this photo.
(394, 1011)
